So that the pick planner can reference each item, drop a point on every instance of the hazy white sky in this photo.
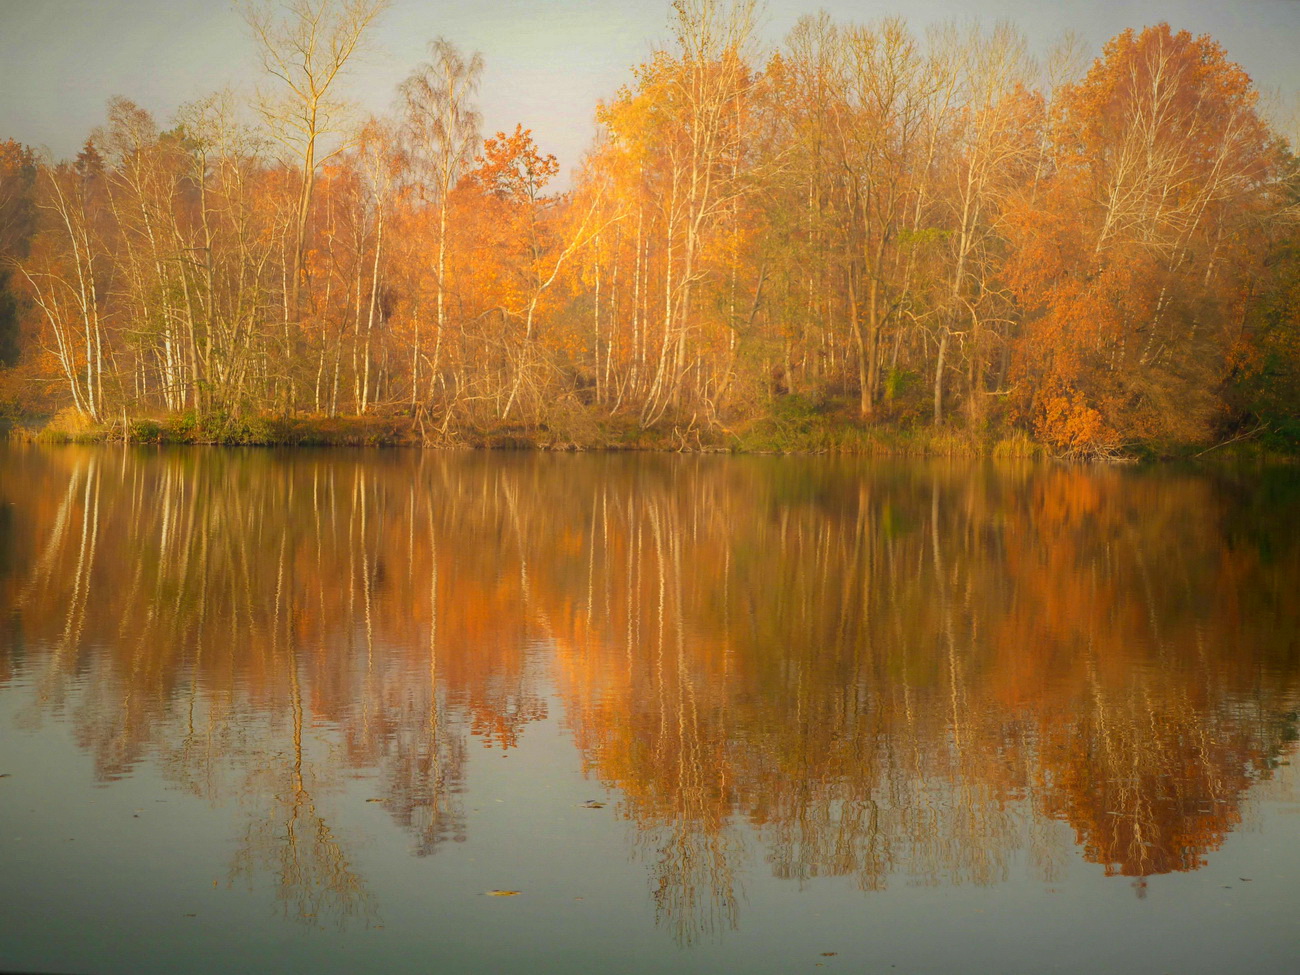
(547, 61)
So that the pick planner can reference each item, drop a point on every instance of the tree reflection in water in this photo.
(874, 670)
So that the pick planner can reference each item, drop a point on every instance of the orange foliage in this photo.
(868, 219)
(1131, 259)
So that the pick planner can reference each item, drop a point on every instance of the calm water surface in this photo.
(317, 711)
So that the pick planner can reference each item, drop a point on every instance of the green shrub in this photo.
(145, 431)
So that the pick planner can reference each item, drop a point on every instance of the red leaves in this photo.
(1126, 257)
(512, 168)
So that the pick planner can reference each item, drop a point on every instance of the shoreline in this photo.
(822, 435)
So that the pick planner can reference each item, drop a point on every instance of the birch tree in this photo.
(442, 128)
(305, 50)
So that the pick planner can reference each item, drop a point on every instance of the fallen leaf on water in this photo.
(593, 804)
(829, 954)
(376, 800)
(503, 893)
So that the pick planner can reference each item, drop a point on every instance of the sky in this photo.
(548, 62)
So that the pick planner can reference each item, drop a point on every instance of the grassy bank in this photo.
(70, 426)
(787, 432)
(789, 429)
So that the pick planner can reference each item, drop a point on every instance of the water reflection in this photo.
(870, 671)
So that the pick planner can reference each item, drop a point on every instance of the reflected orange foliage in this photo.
(874, 671)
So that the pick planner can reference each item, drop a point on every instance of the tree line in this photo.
(863, 226)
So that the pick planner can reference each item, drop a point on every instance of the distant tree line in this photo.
(864, 225)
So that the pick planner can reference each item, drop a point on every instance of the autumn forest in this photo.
(867, 228)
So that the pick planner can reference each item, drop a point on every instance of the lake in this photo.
(404, 711)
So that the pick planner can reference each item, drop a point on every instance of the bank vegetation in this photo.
(865, 239)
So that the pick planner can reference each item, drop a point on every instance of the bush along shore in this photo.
(791, 429)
